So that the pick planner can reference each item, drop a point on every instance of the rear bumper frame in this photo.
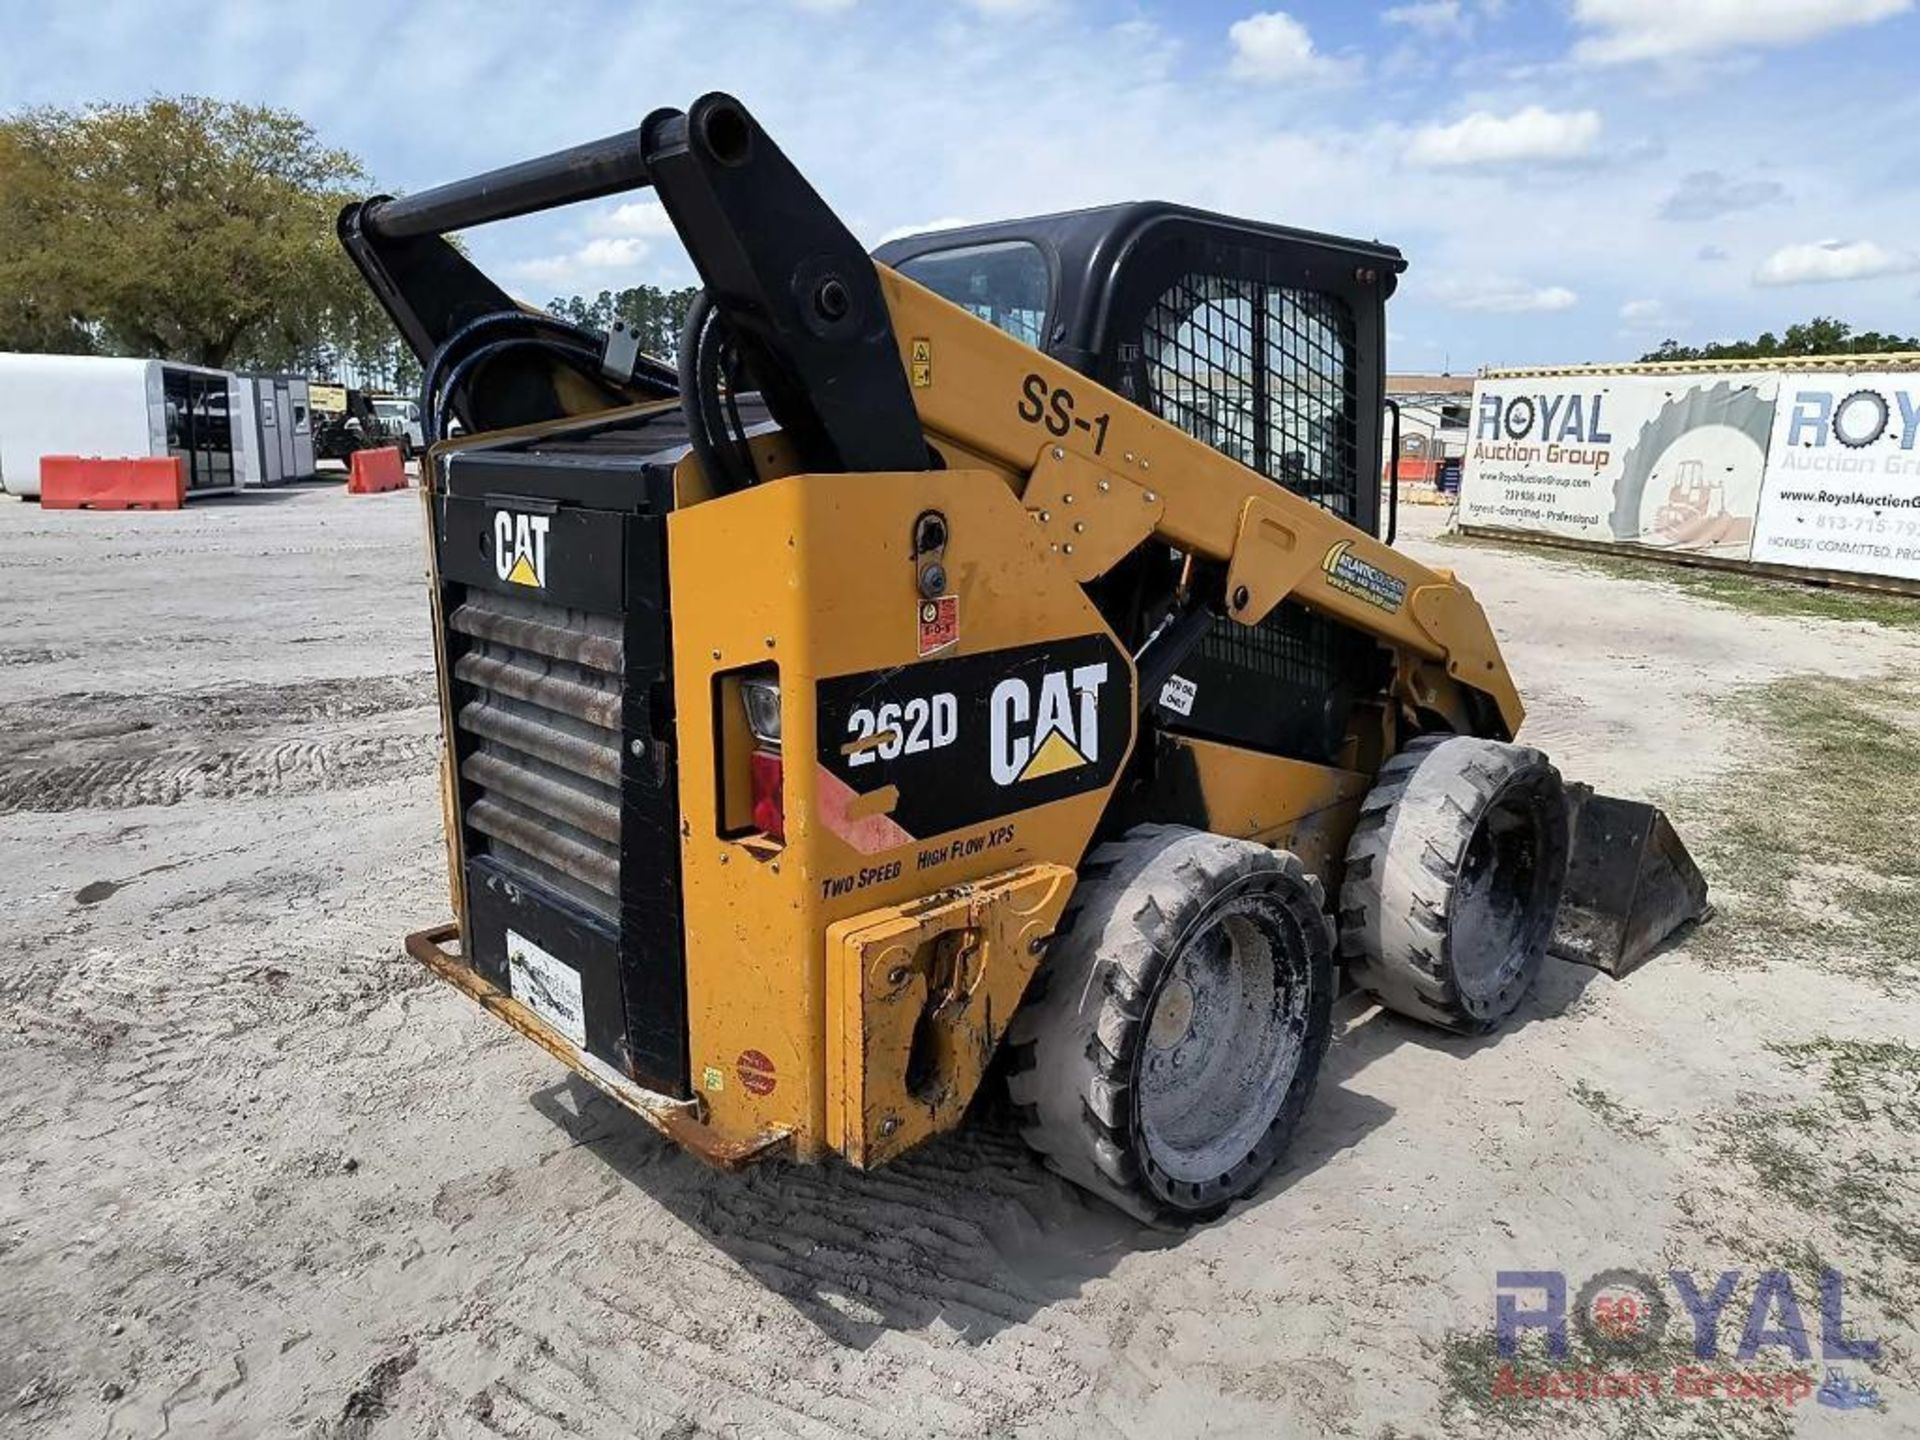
(679, 1120)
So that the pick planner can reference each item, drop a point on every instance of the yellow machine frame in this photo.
(847, 989)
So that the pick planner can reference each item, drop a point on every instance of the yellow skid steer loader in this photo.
(980, 658)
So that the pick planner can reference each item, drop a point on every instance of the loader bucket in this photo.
(1630, 884)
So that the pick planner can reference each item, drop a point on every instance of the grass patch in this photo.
(1809, 845)
(1825, 1181)
(1840, 1155)
(1867, 1080)
(1621, 1119)
(1752, 594)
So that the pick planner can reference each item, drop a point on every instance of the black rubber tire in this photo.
(1077, 1044)
(1449, 818)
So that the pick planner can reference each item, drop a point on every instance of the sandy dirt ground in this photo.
(261, 1176)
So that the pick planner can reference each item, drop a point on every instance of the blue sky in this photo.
(1570, 179)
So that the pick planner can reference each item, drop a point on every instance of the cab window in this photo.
(1006, 284)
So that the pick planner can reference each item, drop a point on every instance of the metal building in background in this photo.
(111, 408)
(275, 432)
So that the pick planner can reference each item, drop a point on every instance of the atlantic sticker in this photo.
(757, 1073)
(1362, 579)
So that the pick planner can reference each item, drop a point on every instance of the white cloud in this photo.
(1430, 17)
(1831, 260)
(1648, 315)
(555, 271)
(1499, 295)
(1483, 138)
(606, 260)
(1017, 128)
(1664, 30)
(1275, 46)
(646, 219)
(611, 250)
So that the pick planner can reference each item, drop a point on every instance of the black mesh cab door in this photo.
(1268, 349)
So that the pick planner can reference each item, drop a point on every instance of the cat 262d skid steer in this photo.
(980, 661)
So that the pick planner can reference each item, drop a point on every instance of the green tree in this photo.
(1822, 335)
(655, 313)
(181, 228)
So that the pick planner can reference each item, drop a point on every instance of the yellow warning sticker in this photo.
(714, 1078)
(920, 362)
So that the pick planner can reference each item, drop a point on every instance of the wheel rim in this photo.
(1500, 908)
(1223, 1043)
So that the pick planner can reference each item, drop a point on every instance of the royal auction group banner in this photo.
(1670, 462)
(1817, 469)
(1842, 488)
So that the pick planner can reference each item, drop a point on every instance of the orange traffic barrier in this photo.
(1413, 471)
(73, 482)
(371, 471)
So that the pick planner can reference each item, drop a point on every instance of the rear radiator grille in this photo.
(537, 702)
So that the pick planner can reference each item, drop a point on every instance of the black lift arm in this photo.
(794, 290)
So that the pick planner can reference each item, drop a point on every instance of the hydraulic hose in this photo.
(652, 370)
(700, 358)
(459, 374)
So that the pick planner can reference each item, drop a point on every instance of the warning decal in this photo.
(939, 623)
(756, 1072)
(1178, 695)
(547, 986)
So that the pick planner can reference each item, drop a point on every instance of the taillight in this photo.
(766, 773)
(769, 799)
(762, 699)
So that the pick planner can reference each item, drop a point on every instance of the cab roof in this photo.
(1086, 251)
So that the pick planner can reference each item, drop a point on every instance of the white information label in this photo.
(1177, 695)
(547, 987)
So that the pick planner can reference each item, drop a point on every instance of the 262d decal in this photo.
(977, 737)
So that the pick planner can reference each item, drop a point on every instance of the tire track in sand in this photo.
(290, 767)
